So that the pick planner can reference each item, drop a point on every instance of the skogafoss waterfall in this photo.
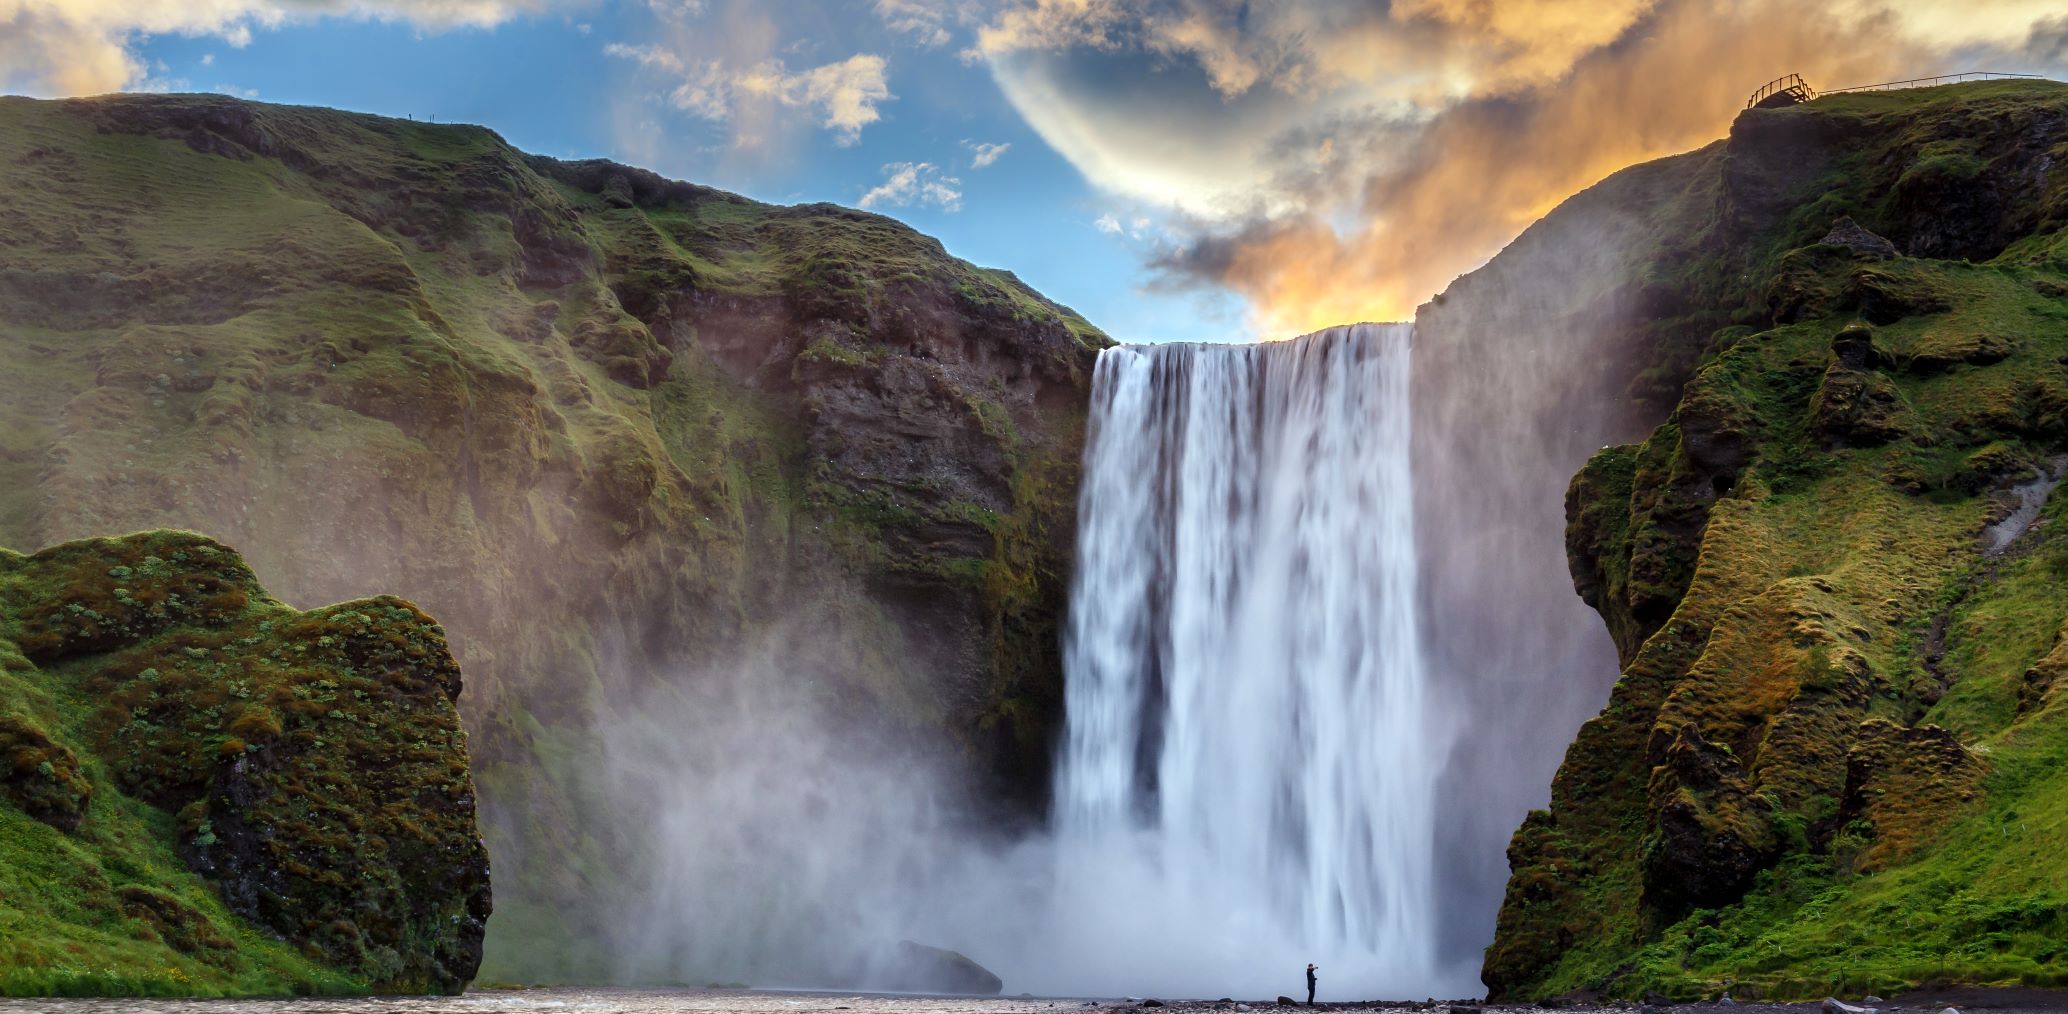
(1249, 771)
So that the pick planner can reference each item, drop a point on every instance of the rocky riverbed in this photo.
(627, 1001)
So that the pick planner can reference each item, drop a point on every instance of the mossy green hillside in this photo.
(208, 792)
(1831, 762)
(611, 429)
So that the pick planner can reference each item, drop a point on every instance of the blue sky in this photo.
(1174, 169)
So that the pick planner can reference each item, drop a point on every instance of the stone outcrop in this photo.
(314, 763)
(1850, 234)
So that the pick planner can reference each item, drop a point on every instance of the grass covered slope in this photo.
(1833, 759)
(617, 432)
(203, 791)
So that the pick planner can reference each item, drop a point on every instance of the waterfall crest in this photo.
(1248, 756)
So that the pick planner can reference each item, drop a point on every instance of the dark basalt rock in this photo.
(918, 968)
(1851, 235)
(1710, 832)
(1858, 405)
(1854, 349)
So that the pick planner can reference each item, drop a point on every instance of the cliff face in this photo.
(1522, 370)
(616, 431)
(211, 792)
(1832, 576)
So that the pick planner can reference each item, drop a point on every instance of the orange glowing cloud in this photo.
(1485, 170)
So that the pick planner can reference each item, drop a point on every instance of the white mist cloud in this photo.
(983, 153)
(88, 47)
(915, 183)
(843, 96)
(928, 22)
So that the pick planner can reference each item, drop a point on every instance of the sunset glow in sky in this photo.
(1174, 169)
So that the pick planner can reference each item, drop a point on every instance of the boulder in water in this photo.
(917, 968)
(1286, 1001)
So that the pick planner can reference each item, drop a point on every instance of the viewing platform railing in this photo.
(1927, 82)
(1791, 85)
(1798, 90)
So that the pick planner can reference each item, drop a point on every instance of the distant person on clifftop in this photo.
(1310, 984)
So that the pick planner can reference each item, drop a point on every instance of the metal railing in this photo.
(1792, 84)
(1927, 82)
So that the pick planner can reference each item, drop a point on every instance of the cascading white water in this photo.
(1249, 768)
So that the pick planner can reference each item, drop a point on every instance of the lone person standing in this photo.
(1310, 984)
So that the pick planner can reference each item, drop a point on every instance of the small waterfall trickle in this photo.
(1249, 771)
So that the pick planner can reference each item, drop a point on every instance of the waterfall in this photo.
(1247, 780)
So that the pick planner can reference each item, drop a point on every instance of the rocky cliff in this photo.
(205, 791)
(621, 434)
(1832, 572)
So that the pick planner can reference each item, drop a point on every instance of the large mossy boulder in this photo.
(309, 766)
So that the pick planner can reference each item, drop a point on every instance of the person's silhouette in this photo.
(1310, 984)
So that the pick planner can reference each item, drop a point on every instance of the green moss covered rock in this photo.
(307, 767)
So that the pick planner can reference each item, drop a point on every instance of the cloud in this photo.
(676, 11)
(88, 47)
(844, 96)
(921, 184)
(1108, 224)
(983, 153)
(926, 21)
(2048, 42)
(1335, 160)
